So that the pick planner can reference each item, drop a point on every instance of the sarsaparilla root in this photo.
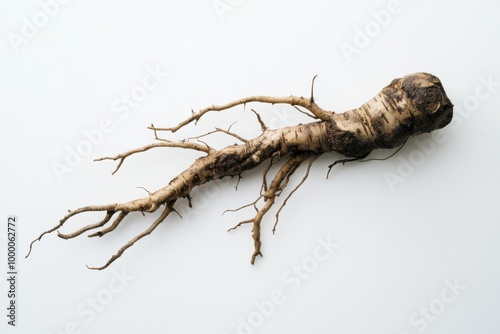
(408, 106)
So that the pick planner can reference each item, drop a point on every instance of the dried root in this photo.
(276, 187)
(408, 106)
(153, 202)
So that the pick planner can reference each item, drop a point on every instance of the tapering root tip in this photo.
(254, 255)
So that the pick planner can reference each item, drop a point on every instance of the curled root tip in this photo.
(31, 247)
(98, 268)
(29, 251)
(91, 268)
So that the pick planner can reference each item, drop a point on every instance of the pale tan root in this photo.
(138, 205)
(268, 194)
(276, 187)
(163, 143)
(408, 106)
(131, 242)
(295, 101)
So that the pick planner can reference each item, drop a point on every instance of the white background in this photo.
(400, 244)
